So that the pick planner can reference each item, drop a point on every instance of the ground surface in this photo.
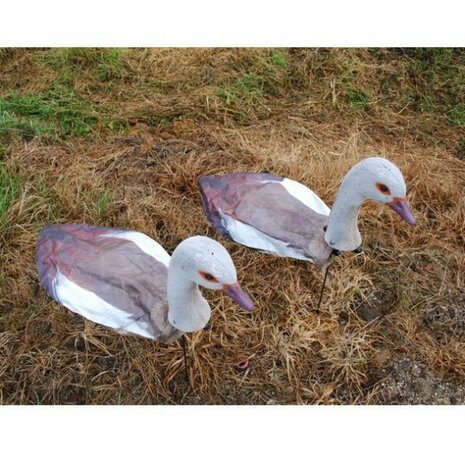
(119, 138)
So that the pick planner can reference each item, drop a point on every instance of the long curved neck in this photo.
(187, 309)
(342, 231)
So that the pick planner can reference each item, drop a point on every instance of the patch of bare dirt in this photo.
(446, 320)
(412, 383)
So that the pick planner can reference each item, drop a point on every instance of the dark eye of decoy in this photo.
(383, 188)
(208, 277)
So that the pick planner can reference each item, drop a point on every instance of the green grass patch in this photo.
(439, 75)
(426, 104)
(249, 88)
(104, 64)
(95, 203)
(245, 97)
(279, 59)
(358, 99)
(432, 59)
(52, 115)
(102, 203)
(256, 82)
(457, 114)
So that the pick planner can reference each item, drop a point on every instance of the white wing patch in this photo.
(306, 196)
(251, 237)
(91, 306)
(146, 244)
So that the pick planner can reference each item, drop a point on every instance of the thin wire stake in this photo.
(183, 343)
(322, 288)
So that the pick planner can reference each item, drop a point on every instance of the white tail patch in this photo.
(251, 237)
(91, 306)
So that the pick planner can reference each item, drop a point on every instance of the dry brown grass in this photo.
(401, 299)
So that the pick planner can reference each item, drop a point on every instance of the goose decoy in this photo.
(126, 281)
(283, 217)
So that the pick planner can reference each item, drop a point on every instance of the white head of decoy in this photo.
(374, 178)
(200, 261)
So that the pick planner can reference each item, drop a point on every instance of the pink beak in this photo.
(400, 206)
(239, 296)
